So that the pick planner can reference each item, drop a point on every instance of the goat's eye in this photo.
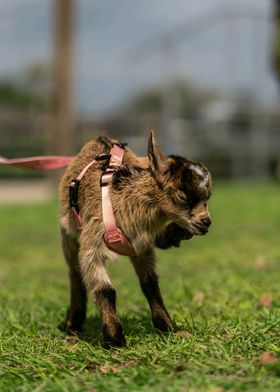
(181, 196)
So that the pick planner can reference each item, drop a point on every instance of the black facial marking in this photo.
(188, 181)
(177, 166)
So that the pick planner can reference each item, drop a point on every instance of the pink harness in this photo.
(114, 237)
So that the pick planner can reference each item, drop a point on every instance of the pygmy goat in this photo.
(157, 202)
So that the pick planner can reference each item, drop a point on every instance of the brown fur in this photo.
(157, 201)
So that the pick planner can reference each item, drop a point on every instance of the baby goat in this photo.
(157, 201)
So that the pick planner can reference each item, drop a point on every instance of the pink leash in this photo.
(44, 163)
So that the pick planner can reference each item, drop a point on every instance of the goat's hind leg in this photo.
(97, 280)
(145, 269)
(76, 312)
(111, 325)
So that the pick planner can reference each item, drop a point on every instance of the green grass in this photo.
(213, 287)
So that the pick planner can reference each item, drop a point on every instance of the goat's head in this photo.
(186, 188)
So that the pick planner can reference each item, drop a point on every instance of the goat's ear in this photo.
(157, 159)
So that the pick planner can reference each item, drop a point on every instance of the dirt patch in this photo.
(25, 191)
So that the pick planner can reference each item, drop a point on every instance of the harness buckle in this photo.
(106, 178)
(121, 145)
(102, 157)
(73, 194)
(113, 236)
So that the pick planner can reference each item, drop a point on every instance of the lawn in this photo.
(222, 290)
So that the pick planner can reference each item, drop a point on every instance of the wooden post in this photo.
(63, 129)
(276, 43)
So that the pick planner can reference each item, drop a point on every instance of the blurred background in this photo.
(205, 75)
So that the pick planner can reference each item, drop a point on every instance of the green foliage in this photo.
(30, 89)
(189, 98)
(18, 97)
(214, 288)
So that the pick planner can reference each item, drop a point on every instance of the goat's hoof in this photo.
(70, 328)
(163, 324)
(113, 335)
(74, 321)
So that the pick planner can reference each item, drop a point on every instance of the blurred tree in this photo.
(39, 80)
(31, 89)
(189, 99)
(241, 118)
(16, 96)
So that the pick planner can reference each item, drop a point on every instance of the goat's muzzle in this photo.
(201, 227)
(206, 222)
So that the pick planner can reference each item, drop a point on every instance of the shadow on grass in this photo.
(92, 328)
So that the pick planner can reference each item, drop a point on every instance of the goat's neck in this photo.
(136, 200)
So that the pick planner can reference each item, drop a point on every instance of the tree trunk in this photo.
(276, 43)
(63, 129)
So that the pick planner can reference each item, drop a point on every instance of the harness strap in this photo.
(74, 190)
(42, 163)
(114, 237)
(73, 194)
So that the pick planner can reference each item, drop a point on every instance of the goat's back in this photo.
(89, 189)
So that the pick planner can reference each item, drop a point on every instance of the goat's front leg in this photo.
(145, 269)
(172, 236)
(97, 280)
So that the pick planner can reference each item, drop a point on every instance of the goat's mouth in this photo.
(193, 226)
(198, 229)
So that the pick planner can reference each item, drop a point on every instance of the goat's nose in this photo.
(206, 222)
